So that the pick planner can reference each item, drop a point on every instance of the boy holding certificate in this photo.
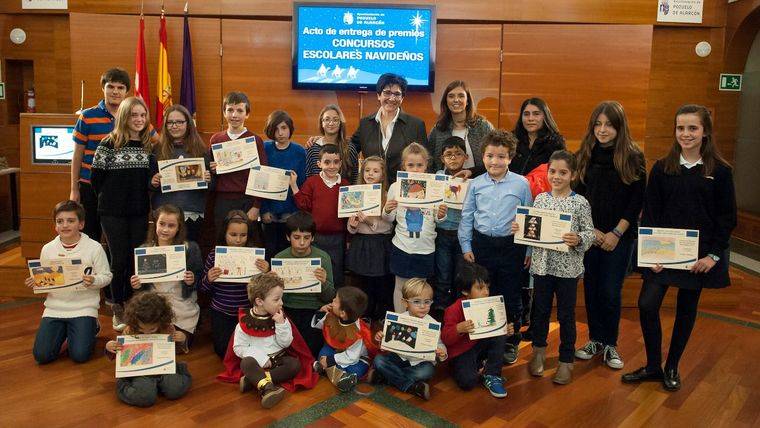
(319, 196)
(409, 374)
(447, 249)
(229, 189)
(71, 315)
(467, 355)
(556, 272)
(489, 209)
(301, 307)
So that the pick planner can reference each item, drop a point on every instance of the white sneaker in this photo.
(612, 358)
(589, 350)
(117, 321)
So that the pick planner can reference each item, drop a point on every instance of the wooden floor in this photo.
(721, 386)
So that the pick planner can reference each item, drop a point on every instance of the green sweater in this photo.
(310, 300)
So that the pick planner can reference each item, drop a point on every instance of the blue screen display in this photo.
(349, 46)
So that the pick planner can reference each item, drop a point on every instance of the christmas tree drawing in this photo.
(491, 317)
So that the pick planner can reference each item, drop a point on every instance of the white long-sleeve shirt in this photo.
(262, 348)
(350, 356)
(83, 303)
(415, 227)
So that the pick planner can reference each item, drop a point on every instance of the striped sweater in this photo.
(226, 297)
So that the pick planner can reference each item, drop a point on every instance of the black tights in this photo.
(650, 301)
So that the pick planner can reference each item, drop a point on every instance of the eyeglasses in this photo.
(453, 155)
(420, 303)
(326, 120)
(175, 123)
(390, 94)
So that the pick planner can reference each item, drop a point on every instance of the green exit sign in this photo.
(731, 82)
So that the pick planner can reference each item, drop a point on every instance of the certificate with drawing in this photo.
(182, 174)
(298, 274)
(454, 192)
(362, 197)
(235, 155)
(542, 228)
(145, 354)
(57, 275)
(419, 189)
(268, 182)
(238, 264)
(160, 264)
(410, 336)
(672, 248)
(488, 314)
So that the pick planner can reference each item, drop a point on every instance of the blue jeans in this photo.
(359, 368)
(400, 373)
(602, 285)
(447, 256)
(80, 333)
(465, 367)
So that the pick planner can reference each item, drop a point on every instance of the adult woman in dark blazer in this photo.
(692, 187)
(388, 131)
(458, 118)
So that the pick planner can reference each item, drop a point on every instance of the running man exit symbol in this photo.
(731, 82)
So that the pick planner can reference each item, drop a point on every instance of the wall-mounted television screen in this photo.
(52, 144)
(348, 46)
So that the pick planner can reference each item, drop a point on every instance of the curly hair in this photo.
(148, 307)
(260, 285)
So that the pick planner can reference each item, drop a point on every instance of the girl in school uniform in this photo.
(690, 188)
(169, 229)
(180, 140)
(370, 246)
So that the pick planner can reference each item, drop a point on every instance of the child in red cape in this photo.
(267, 352)
(348, 348)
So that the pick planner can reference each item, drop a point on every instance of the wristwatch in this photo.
(715, 258)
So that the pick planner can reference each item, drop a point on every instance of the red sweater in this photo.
(322, 202)
(456, 343)
(232, 185)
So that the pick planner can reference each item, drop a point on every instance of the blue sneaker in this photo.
(495, 385)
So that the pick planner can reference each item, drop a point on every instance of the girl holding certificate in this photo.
(169, 230)
(121, 179)
(612, 177)
(690, 188)
(180, 139)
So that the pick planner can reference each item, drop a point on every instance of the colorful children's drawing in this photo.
(138, 354)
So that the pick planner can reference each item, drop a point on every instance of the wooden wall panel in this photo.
(468, 52)
(678, 76)
(93, 51)
(576, 11)
(573, 68)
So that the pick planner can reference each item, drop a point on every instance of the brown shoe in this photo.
(245, 385)
(564, 374)
(271, 394)
(536, 364)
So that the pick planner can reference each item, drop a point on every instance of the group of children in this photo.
(270, 340)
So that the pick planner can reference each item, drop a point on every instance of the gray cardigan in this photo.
(475, 135)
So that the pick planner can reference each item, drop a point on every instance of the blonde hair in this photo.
(415, 149)
(120, 134)
(383, 167)
(414, 287)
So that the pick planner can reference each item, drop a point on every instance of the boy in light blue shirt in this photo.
(485, 232)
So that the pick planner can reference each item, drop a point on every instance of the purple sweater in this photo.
(226, 297)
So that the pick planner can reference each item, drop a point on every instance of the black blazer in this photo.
(368, 140)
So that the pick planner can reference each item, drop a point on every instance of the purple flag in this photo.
(187, 90)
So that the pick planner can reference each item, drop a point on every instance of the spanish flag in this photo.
(164, 82)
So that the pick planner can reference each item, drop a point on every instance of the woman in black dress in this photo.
(690, 188)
